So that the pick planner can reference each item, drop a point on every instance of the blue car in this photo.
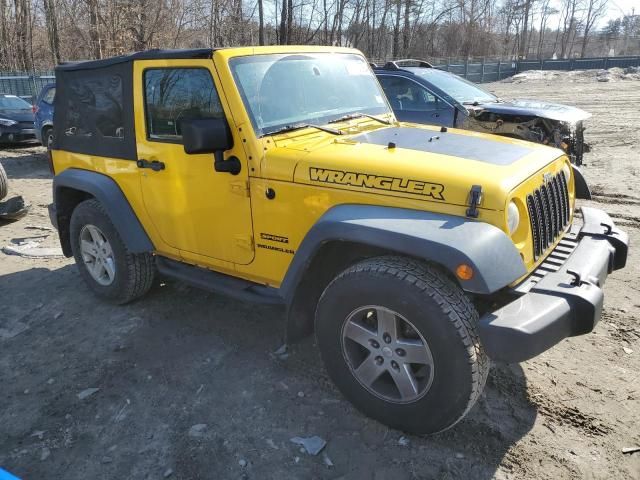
(420, 93)
(43, 109)
(16, 119)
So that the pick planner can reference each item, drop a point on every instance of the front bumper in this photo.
(16, 134)
(561, 298)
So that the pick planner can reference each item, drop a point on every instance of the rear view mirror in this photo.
(210, 135)
(206, 135)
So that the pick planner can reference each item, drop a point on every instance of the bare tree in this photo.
(595, 11)
(52, 29)
(261, 23)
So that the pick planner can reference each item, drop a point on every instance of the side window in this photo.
(94, 107)
(406, 95)
(49, 96)
(175, 94)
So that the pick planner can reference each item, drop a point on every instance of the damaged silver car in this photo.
(422, 94)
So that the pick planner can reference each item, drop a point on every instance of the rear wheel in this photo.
(108, 268)
(4, 183)
(47, 137)
(398, 337)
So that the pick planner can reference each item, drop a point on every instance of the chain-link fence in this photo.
(25, 85)
(28, 85)
(492, 70)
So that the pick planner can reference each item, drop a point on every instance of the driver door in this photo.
(203, 213)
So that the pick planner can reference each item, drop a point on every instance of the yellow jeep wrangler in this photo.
(280, 175)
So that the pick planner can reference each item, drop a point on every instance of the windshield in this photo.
(9, 102)
(460, 89)
(311, 88)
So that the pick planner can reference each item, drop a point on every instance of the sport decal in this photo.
(366, 180)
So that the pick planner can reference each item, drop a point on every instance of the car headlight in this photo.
(513, 217)
(566, 169)
(5, 122)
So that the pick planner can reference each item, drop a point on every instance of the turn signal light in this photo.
(464, 272)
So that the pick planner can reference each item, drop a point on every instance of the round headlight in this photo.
(566, 169)
(513, 217)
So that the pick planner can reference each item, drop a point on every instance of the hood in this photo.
(552, 111)
(25, 115)
(421, 163)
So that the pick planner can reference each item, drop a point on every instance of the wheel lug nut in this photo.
(374, 344)
(379, 360)
(394, 365)
(400, 352)
(387, 338)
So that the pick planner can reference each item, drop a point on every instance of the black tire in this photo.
(134, 273)
(440, 313)
(4, 183)
(47, 137)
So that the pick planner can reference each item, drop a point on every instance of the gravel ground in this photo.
(188, 386)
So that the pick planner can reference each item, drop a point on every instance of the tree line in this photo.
(37, 34)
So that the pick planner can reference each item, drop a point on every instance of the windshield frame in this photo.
(321, 117)
(428, 77)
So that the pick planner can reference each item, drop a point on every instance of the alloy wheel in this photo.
(387, 354)
(97, 255)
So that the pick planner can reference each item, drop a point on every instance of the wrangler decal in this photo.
(366, 180)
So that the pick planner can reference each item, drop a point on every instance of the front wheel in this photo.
(399, 339)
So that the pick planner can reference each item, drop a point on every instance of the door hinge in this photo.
(244, 241)
(240, 188)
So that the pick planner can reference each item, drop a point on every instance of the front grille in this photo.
(26, 124)
(555, 260)
(549, 213)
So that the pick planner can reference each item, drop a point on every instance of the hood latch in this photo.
(475, 199)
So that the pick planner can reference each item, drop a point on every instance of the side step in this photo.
(218, 282)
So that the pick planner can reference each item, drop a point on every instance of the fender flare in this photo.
(581, 185)
(444, 239)
(109, 194)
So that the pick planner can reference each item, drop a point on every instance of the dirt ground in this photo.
(189, 386)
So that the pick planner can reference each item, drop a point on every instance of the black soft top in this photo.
(155, 54)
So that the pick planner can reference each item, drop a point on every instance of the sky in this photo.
(618, 8)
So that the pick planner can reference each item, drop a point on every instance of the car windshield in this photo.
(460, 89)
(288, 90)
(10, 102)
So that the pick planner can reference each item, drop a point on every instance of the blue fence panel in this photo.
(29, 85)
(481, 72)
(25, 85)
(579, 63)
(623, 62)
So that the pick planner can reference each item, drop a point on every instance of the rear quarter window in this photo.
(94, 107)
(49, 96)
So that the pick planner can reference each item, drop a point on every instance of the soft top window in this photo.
(93, 111)
(94, 107)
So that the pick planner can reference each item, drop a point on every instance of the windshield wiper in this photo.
(360, 115)
(298, 126)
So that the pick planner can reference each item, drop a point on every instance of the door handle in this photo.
(154, 165)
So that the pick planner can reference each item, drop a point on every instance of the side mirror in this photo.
(206, 135)
(210, 135)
